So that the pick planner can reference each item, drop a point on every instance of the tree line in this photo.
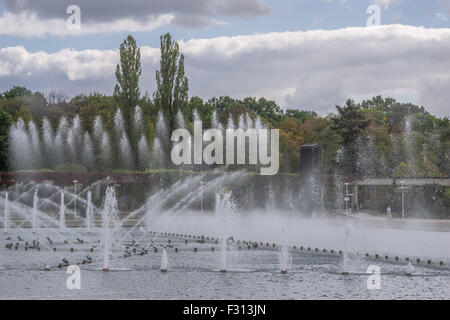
(379, 137)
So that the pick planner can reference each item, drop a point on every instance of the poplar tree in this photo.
(126, 91)
(172, 89)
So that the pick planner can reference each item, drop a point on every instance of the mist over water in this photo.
(315, 233)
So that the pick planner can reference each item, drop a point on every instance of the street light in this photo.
(347, 197)
(75, 202)
(403, 189)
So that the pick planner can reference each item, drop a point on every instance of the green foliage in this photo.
(224, 104)
(129, 70)
(267, 109)
(126, 92)
(204, 110)
(171, 94)
(446, 197)
(5, 124)
(17, 91)
(394, 111)
(300, 115)
(96, 104)
(15, 108)
(403, 170)
(349, 123)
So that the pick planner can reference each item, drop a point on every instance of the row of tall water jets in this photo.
(35, 148)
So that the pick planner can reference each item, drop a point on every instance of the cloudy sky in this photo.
(306, 54)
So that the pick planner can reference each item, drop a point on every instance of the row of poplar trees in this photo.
(172, 85)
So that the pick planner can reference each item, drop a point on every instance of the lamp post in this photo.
(75, 192)
(347, 197)
(403, 189)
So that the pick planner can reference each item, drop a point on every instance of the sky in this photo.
(304, 54)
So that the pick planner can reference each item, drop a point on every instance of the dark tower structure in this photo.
(310, 159)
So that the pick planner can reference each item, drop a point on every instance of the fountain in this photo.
(161, 127)
(60, 141)
(196, 116)
(223, 255)
(20, 146)
(62, 213)
(98, 129)
(138, 122)
(48, 142)
(164, 261)
(408, 141)
(119, 124)
(409, 269)
(176, 209)
(33, 148)
(180, 122)
(157, 154)
(34, 211)
(271, 205)
(109, 215)
(143, 153)
(36, 155)
(215, 123)
(73, 140)
(6, 214)
(230, 123)
(224, 206)
(241, 122)
(88, 151)
(284, 253)
(345, 258)
(125, 152)
(105, 148)
(89, 211)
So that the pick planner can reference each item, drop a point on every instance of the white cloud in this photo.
(312, 69)
(75, 65)
(27, 24)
